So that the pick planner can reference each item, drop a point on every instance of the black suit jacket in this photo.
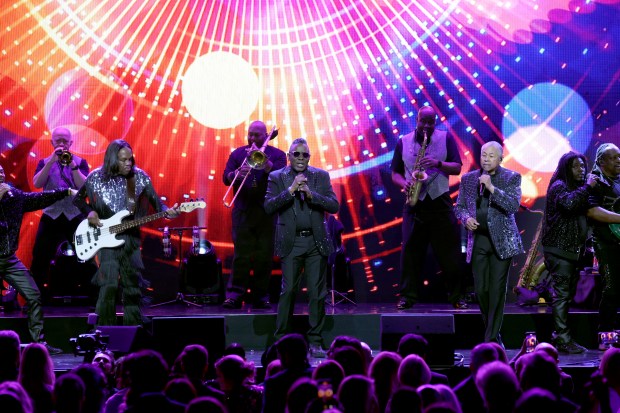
(279, 200)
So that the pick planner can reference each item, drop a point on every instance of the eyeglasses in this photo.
(296, 154)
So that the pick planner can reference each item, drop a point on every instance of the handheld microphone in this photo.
(482, 186)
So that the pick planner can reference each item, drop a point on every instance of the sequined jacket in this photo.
(12, 209)
(503, 204)
(279, 200)
(109, 196)
(562, 233)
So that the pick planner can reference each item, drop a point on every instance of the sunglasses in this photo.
(296, 154)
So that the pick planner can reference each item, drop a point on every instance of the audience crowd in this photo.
(350, 380)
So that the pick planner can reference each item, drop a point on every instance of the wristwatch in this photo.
(75, 168)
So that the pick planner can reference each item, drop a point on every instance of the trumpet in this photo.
(64, 157)
(256, 159)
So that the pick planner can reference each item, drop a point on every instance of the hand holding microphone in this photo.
(485, 182)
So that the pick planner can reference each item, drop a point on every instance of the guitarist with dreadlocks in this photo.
(604, 207)
(564, 234)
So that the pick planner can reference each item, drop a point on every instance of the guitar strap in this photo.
(131, 195)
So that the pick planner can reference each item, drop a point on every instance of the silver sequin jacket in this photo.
(502, 207)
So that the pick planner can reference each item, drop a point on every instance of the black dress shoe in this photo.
(403, 304)
(461, 305)
(231, 304)
(261, 305)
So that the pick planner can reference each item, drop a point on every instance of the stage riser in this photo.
(255, 331)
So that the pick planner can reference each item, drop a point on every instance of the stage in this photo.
(451, 333)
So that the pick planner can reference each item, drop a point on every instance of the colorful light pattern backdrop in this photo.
(180, 80)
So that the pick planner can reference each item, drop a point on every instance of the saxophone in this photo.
(532, 270)
(418, 176)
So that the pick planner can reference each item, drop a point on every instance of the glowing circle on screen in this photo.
(544, 121)
(538, 148)
(220, 90)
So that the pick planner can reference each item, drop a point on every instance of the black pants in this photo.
(608, 256)
(304, 256)
(490, 284)
(253, 251)
(50, 234)
(564, 275)
(441, 230)
(18, 276)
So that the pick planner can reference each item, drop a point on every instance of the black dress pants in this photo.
(490, 284)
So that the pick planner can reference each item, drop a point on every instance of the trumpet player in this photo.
(252, 228)
(430, 220)
(61, 169)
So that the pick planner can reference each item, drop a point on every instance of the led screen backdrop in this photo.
(181, 80)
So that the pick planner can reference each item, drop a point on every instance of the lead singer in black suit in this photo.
(488, 199)
(301, 195)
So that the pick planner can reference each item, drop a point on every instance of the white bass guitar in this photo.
(88, 240)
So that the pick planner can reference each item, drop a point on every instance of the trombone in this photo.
(256, 159)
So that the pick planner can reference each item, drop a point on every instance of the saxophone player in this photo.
(430, 220)
(487, 202)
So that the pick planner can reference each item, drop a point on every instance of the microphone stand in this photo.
(180, 298)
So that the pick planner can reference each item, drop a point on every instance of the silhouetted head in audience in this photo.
(180, 390)
(293, 351)
(482, 354)
(331, 371)
(341, 341)
(501, 352)
(404, 400)
(194, 361)
(537, 400)
(439, 396)
(147, 372)
(205, 405)
(16, 391)
(498, 386)
(549, 349)
(357, 394)
(610, 368)
(95, 393)
(412, 344)
(384, 371)
(351, 360)
(9, 349)
(69, 393)
(36, 367)
(414, 371)
(301, 394)
(538, 369)
(273, 368)
(235, 348)
(233, 372)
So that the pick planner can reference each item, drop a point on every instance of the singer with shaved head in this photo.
(486, 206)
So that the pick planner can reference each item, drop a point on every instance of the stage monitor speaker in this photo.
(172, 334)
(126, 339)
(437, 329)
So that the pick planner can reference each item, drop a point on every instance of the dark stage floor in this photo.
(452, 333)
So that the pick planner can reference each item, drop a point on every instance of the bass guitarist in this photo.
(604, 199)
(116, 186)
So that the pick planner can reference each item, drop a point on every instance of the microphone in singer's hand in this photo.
(302, 195)
(482, 186)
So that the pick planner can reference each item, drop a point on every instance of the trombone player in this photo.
(61, 169)
(252, 228)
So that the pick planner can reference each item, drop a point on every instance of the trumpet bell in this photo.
(65, 158)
